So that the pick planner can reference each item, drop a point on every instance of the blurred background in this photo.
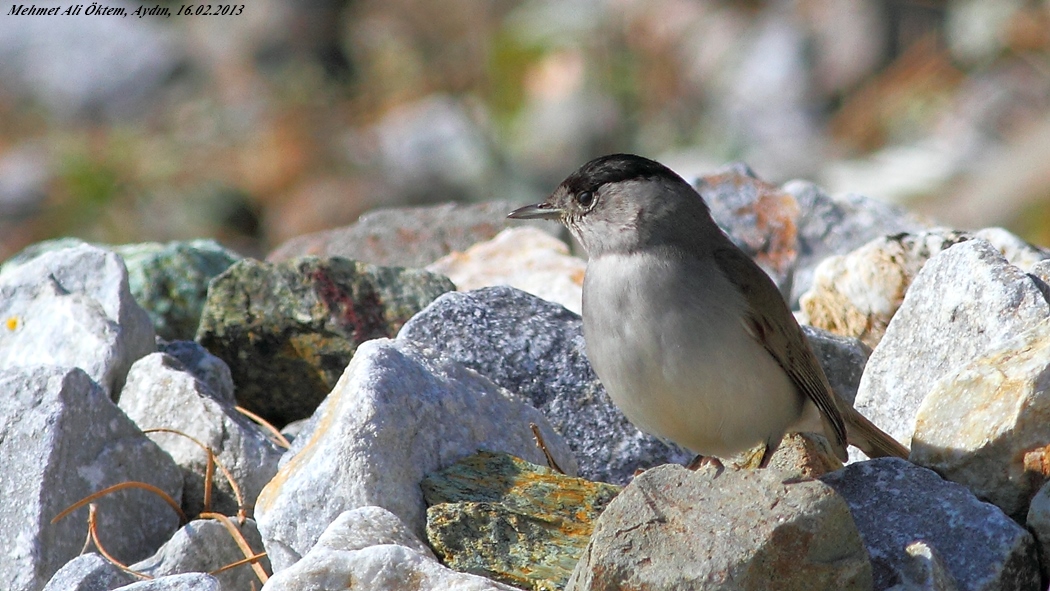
(300, 115)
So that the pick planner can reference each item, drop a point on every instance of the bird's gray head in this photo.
(623, 203)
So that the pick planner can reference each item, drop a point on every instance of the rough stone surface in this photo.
(72, 308)
(369, 546)
(758, 217)
(962, 301)
(64, 439)
(183, 582)
(407, 236)
(506, 519)
(288, 330)
(856, 294)
(676, 529)
(205, 545)
(170, 281)
(924, 570)
(830, 225)
(161, 393)
(396, 415)
(525, 258)
(1038, 522)
(89, 572)
(204, 366)
(976, 426)
(896, 503)
(535, 348)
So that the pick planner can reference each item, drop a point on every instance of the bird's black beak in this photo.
(539, 211)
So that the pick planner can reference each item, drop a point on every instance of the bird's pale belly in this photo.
(686, 371)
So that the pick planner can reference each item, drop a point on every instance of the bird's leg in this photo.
(767, 454)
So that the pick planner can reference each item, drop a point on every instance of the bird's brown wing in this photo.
(771, 323)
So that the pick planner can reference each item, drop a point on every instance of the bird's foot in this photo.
(704, 461)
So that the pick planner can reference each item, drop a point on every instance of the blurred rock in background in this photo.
(299, 116)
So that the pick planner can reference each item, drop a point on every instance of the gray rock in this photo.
(896, 503)
(38, 248)
(976, 426)
(962, 301)
(829, 225)
(206, 545)
(1038, 522)
(370, 546)
(161, 393)
(72, 308)
(111, 67)
(63, 439)
(407, 236)
(204, 366)
(183, 582)
(676, 529)
(396, 415)
(924, 570)
(536, 349)
(89, 572)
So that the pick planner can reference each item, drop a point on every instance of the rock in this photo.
(288, 330)
(896, 503)
(829, 225)
(800, 455)
(856, 294)
(1038, 522)
(506, 519)
(183, 582)
(204, 366)
(161, 393)
(962, 301)
(396, 415)
(43, 59)
(72, 308)
(536, 349)
(370, 545)
(676, 529)
(205, 545)
(89, 572)
(406, 236)
(525, 258)
(170, 281)
(977, 424)
(842, 359)
(924, 570)
(38, 248)
(757, 216)
(63, 440)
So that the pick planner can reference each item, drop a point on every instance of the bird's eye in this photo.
(585, 199)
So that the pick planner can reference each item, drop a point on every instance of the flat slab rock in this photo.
(510, 520)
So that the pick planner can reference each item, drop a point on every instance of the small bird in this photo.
(691, 339)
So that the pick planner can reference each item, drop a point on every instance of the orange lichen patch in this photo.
(12, 323)
(1038, 461)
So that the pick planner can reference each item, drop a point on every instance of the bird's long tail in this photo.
(871, 440)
